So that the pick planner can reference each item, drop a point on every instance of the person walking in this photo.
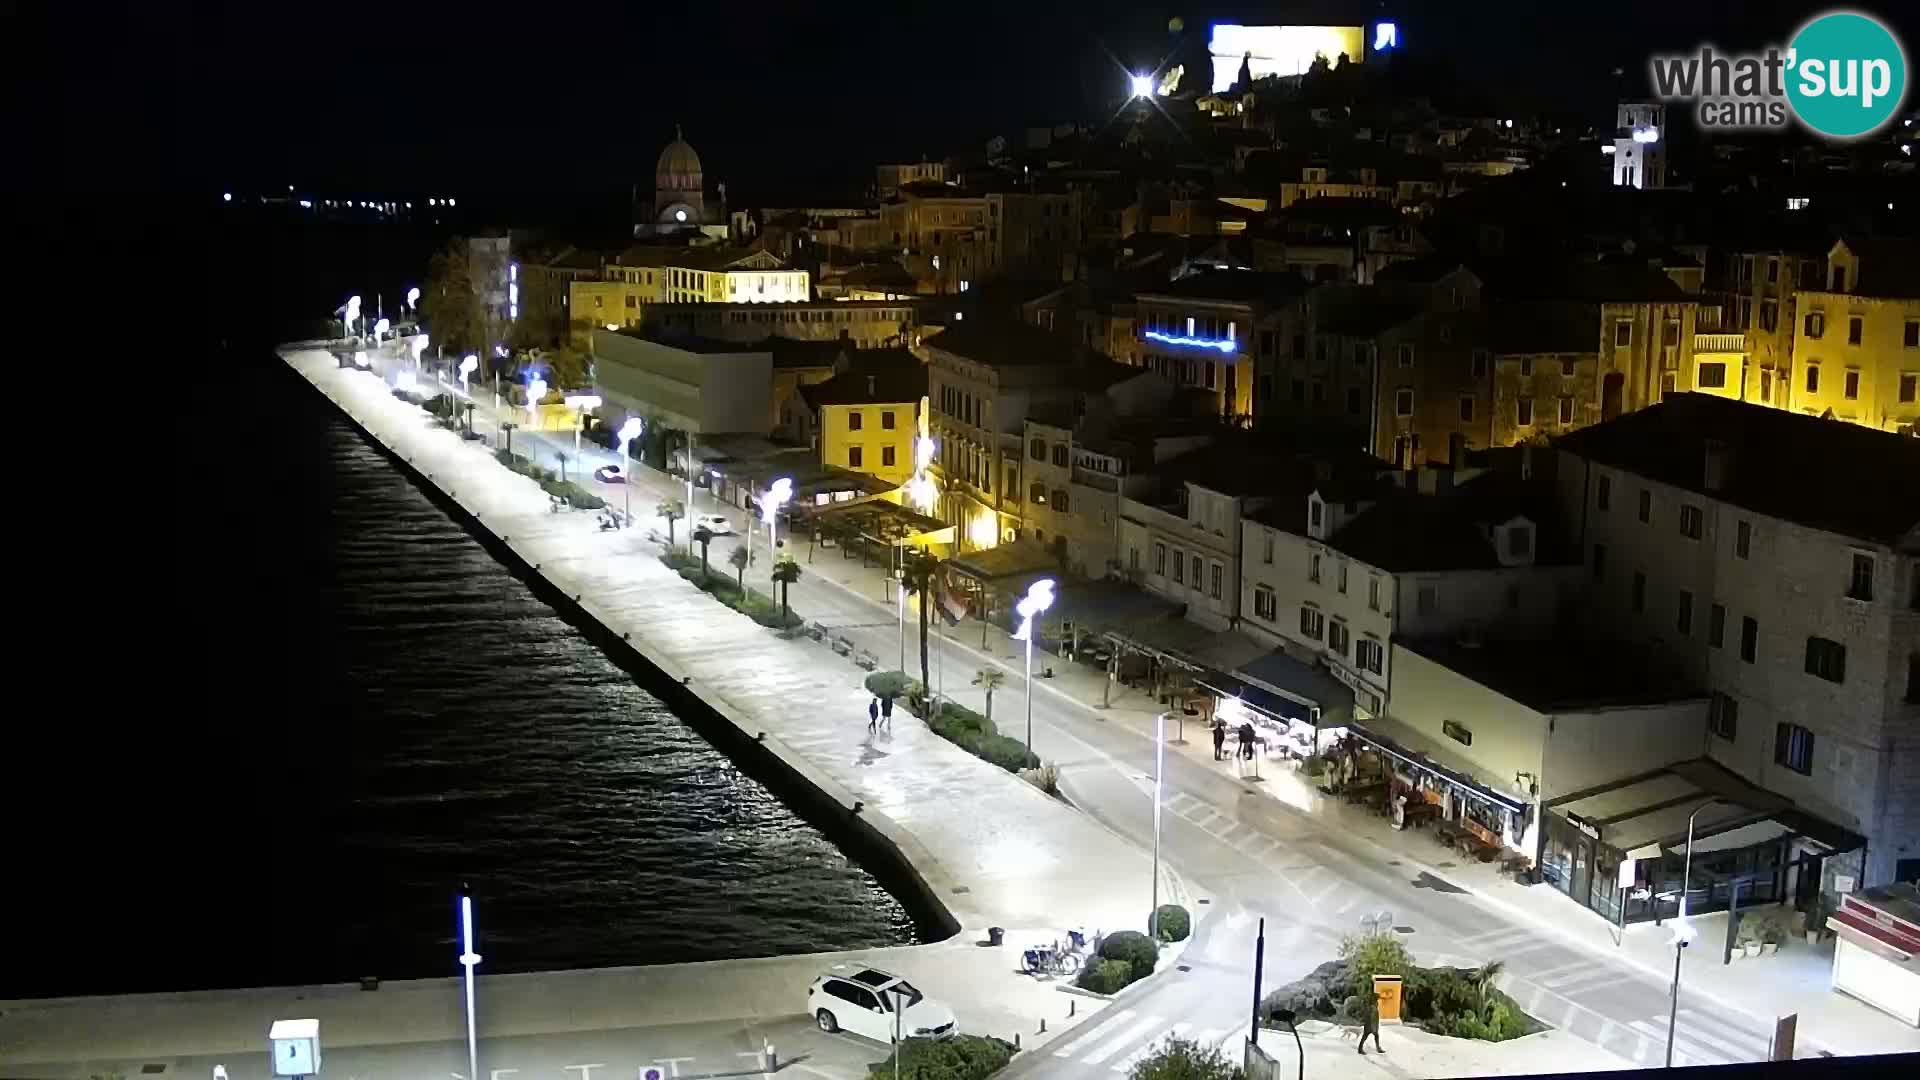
(1219, 740)
(1370, 1022)
(1246, 741)
(886, 713)
(873, 715)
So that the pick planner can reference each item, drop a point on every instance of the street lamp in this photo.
(1141, 85)
(469, 960)
(350, 315)
(419, 346)
(467, 364)
(413, 299)
(629, 431)
(536, 389)
(1683, 931)
(580, 404)
(1159, 769)
(380, 329)
(770, 505)
(1286, 1016)
(1038, 599)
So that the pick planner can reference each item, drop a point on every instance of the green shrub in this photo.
(1106, 976)
(1173, 922)
(505, 457)
(1133, 947)
(962, 1057)
(1009, 753)
(888, 684)
(1184, 1059)
(1368, 955)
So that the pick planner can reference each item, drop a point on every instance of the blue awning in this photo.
(1256, 698)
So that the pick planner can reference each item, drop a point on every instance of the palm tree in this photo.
(785, 572)
(1489, 971)
(672, 510)
(917, 577)
(738, 557)
(989, 679)
(562, 455)
(703, 536)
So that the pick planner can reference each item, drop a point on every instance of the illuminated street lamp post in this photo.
(350, 315)
(1141, 85)
(1683, 932)
(536, 389)
(467, 364)
(469, 960)
(413, 300)
(1159, 769)
(629, 431)
(1038, 599)
(770, 505)
(380, 330)
(580, 404)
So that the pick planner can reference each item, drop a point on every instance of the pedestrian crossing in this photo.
(1123, 1039)
(1700, 1038)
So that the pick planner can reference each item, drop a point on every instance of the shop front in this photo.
(1294, 708)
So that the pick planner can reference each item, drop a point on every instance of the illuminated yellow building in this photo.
(682, 275)
(868, 417)
(1856, 349)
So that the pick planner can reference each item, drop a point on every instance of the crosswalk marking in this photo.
(1097, 1031)
(1705, 1038)
(1123, 1040)
(1127, 1063)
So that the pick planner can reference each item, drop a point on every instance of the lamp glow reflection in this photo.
(1038, 599)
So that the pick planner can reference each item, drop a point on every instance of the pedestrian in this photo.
(886, 712)
(1370, 1022)
(873, 715)
(1219, 740)
(1246, 741)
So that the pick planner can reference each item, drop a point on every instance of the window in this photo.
(1769, 315)
(1603, 495)
(1749, 638)
(1839, 279)
(1670, 333)
(1405, 354)
(1523, 412)
(1215, 574)
(1827, 659)
(1179, 567)
(886, 455)
(1466, 410)
(1815, 324)
(1854, 326)
(1060, 455)
(886, 419)
(1340, 579)
(1037, 493)
(1370, 655)
(1712, 375)
(1264, 605)
(1160, 559)
(854, 420)
(1910, 336)
(1639, 591)
(1683, 617)
(1480, 361)
(1723, 716)
(1690, 519)
(1196, 571)
(1426, 599)
(1526, 367)
(1717, 625)
(1743, 539)
(1337, 637)
(1037, 450)
(1566, 410)
(1622, 333)
(1599, 562)
(1909, 386)
(1060, 500)
(1519, 541)
(1266, 548)
(1312, 623)
(1373, 594)
(1356, 401)
(1314, 511)
(1860, 585)
(1793, 748)
(1403, 402)
(1646, 507)
(1313, 568)
(1457, 732)
(1813, 379)
(853, 457)
(1567, 366)
(1773, 270)
(1853, 385)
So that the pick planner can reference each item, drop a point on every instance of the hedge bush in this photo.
(1106, 976)
(976, 735)
(1133, 947)
(962, 1057)
(1173, 922)
(760, 608)
(573, 493)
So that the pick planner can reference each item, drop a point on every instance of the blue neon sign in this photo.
(1225, 345)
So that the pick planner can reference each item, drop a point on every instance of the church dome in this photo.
(679, 167)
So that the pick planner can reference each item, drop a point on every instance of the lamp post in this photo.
(1286, 1017)
(413, 299)
(1159, 769)
(1683, 931)
(419, 346)
(380, 330)
(469, 960)
(349, 315)
(467, 364)
(690, 495)
(776, 497)
(1038, 599)
(580, 403)
(629, 431)
(536, 389)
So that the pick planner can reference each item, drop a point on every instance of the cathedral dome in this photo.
(679, 167)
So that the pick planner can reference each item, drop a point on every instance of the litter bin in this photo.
(996, 934)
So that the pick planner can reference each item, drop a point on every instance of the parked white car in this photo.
(717, 524)
(610, 474)
(861, 1001)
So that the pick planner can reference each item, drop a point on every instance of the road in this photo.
(1245, 856)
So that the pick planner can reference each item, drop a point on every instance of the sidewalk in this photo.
(1413, 1054)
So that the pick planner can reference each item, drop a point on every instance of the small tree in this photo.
(703, 536)
(1368, 955)
(1182, 1059)
(888, 684)
(738, 558)
(989, 679)
(919, 571)
(562, 456)
(785, 572)
(673, 510)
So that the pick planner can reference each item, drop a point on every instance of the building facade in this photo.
(1857, 340)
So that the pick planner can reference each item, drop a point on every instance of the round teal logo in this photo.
(1847, 74)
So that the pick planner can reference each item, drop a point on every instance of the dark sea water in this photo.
(352, 710)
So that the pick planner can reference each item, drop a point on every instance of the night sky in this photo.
(486, 95)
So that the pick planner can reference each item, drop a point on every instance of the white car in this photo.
(861, 1001)
(610, 474)
(717, 524)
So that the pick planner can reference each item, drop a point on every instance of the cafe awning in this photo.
(1652, 808)
(1286, 689)
(1415, 751)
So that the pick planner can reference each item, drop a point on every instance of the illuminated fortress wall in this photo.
(1279, 50)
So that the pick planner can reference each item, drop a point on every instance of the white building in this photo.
(1640, 145)
(692, 385)
(1342, 572)
(1774, 559)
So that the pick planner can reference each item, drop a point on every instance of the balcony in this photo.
(1719, 343)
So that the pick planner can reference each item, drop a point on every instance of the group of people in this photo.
(1245, 734)
(879, 713)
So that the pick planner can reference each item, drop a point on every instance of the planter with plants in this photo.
(1747, 937)
(1773, 933)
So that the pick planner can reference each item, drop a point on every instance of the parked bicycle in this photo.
(1063, 957)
